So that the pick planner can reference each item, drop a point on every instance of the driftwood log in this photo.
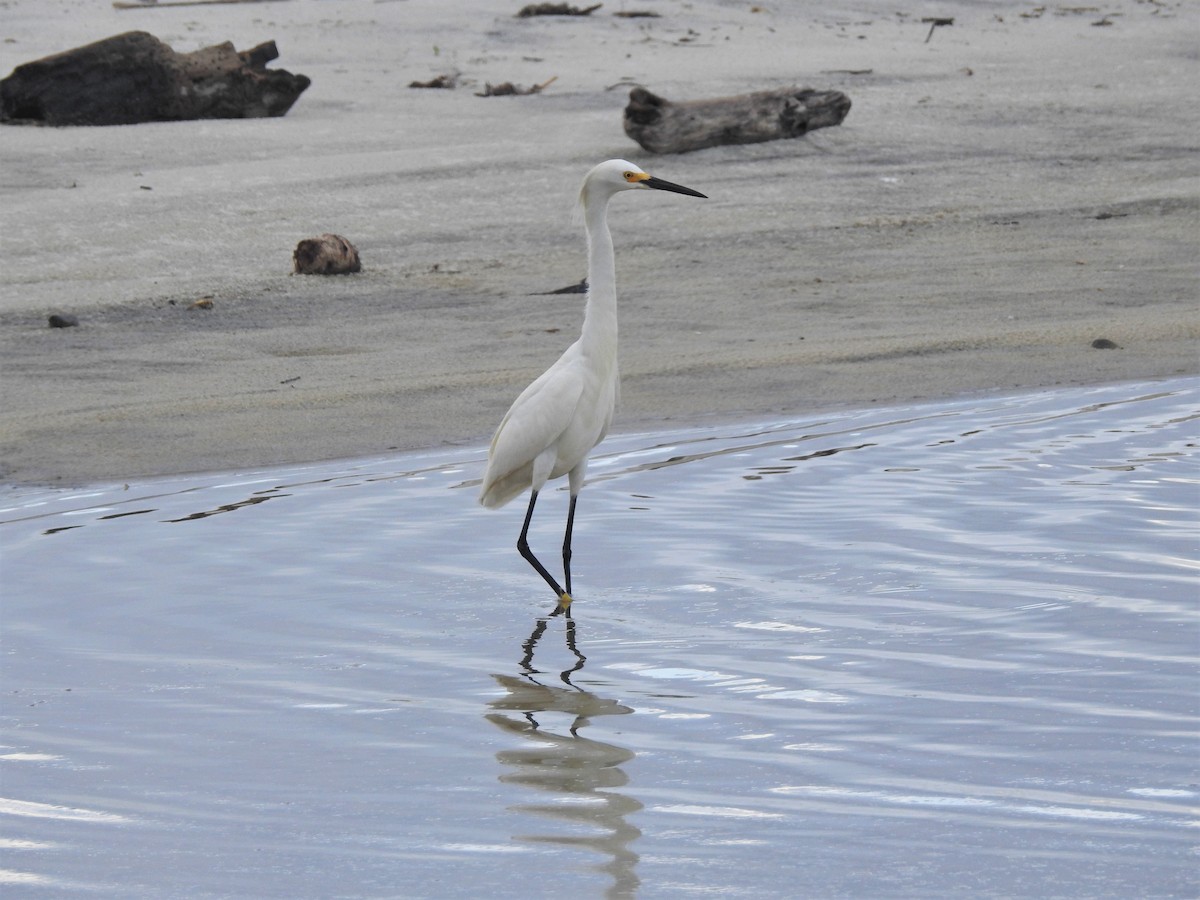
(134, 77)
(661, 126)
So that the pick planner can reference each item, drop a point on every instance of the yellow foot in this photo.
(564, 605)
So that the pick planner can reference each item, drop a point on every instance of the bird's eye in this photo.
(629, 176)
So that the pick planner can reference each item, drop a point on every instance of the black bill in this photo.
(659, 185)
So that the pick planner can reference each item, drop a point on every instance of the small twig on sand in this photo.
(508, 89)
(447, 81)
(935, 23)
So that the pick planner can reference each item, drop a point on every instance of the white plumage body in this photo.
(552, 427)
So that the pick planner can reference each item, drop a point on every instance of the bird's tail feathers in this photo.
(496, 493)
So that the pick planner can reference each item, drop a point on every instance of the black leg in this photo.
(567, 543)
(564, 598)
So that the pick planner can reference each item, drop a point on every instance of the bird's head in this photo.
(617, 175)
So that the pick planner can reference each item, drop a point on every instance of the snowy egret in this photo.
(553, 425)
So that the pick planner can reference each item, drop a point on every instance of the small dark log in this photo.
(556, 9)
(580, 287)
(661, 126)
(329, 254)
(134, 77)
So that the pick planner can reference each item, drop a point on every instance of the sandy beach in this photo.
(1001, 196)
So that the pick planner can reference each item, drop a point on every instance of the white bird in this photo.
(553, 425)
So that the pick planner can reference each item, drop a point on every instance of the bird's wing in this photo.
(537, 418)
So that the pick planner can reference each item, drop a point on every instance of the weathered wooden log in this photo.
(661, 126)
(134, 77)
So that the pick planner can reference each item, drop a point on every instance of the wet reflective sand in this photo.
(945, 650)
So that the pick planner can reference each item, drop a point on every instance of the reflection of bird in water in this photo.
(556, 421)
(569, 765)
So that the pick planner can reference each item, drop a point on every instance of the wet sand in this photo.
(999, 197)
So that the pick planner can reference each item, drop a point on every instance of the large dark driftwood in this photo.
(661, 126)
(134, 77)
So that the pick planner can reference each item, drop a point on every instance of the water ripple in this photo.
(949, 647)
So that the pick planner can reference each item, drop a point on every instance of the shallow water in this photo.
(942, 650)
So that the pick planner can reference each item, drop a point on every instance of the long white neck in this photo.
(599, 336)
